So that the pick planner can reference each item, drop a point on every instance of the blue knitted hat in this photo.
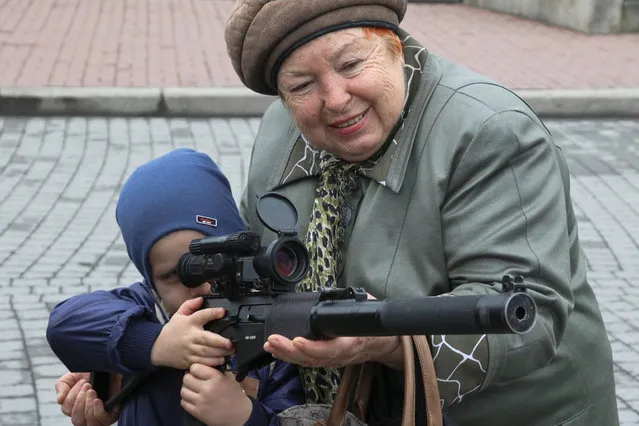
(183, 189)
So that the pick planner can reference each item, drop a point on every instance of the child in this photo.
(155, 325)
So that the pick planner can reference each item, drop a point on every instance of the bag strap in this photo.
(364, 388)
(408, 415)
(365, 373)
(429, 380)
(340, 404)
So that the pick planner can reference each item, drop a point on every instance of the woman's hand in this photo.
(184, 341)
(213, 397)
(80, 402)
(337, 352)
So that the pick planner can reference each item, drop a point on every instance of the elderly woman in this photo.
(417, 177)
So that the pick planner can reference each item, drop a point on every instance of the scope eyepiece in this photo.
(194, 270)
(190, 270)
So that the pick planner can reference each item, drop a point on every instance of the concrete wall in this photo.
(590, 16)
(630, 16)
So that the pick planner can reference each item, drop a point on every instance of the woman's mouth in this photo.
(351, 121)
(351, 125)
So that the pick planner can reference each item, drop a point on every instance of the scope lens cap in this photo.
(276, 212)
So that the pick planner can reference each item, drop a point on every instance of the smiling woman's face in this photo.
(345, 91)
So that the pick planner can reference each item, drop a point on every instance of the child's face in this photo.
(163, 257)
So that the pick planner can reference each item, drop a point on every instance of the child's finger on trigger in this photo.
(214, 340)
(210, 314)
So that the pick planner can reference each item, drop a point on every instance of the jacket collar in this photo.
(421, 75)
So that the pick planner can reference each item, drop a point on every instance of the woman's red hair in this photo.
(388, 35)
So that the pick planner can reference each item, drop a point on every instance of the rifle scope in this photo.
(285, 260)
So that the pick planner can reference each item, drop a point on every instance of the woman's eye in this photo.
(300, 87)
(351, 65)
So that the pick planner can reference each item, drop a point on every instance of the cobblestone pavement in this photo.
(59, 181)
(180, 43)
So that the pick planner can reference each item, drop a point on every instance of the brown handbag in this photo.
(365, 372)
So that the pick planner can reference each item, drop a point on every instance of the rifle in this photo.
(255, 285)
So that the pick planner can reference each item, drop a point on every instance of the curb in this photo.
(590, 103)
(241, 102)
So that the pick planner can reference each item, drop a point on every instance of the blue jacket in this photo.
(115, 330)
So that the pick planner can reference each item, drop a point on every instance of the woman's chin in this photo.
(360, 152)
(357, 156)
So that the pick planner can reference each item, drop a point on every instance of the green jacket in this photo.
(473, 188)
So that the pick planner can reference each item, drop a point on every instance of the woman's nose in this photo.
(336, 94)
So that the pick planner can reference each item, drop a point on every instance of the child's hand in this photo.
(81, 403)
(183, 340)
(214, 398)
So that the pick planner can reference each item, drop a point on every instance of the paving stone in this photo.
(30, 324)
(20, 419)
(42, 355)
(17, 405)
(45, 290)
(11, 334)
(17, 364)
(628, 417)
(49, 370)
(15, 390)
(11, 355)
(49, 409)
(15, 377)
(9, 324)
(46, 383)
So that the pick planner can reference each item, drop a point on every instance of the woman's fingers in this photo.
(66, 383)
(69, 400)
(78, 414)
(284, 349)
(310, 353)
(95, 413)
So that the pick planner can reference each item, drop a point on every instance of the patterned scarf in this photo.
(323, 241)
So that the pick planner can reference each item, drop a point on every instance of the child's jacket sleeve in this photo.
(105, 330)
(280, 388)
(115, 330)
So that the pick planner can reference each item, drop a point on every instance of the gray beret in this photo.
(260, 34)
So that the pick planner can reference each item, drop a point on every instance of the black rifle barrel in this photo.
(498, 313)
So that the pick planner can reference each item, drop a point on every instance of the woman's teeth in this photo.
(351, 121)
